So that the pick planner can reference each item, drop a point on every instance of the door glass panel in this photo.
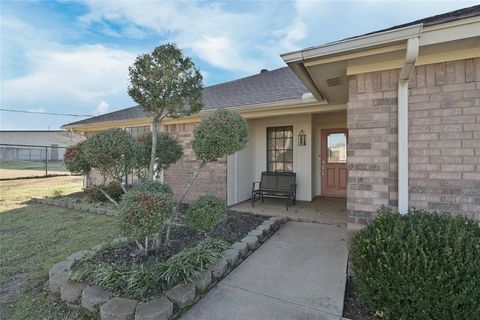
(337, 148)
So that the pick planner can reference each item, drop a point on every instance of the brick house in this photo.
(391, 118)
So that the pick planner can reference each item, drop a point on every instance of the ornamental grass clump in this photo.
(143, 212)
(205, 212)
(418, 266)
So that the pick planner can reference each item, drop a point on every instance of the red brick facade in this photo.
(444, 140)
(212, 178)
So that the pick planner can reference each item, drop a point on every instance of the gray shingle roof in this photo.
(267, 87)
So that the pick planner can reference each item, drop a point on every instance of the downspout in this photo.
(410, 59)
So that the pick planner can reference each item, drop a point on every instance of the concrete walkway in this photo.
(299, 273)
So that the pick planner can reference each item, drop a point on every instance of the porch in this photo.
(327, 210)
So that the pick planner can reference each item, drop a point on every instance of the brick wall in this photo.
(212, 178)
(444, 140)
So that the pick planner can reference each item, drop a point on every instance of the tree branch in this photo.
(108, 196)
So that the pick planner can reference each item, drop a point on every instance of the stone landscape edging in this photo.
(95, 301)
(77, 206)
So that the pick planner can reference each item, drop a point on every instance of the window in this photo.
(138, 131)
(337, 148)
(280, 149)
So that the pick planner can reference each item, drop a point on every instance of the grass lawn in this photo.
(33, 237)
(19, 168)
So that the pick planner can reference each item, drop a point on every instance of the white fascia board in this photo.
(354, 44)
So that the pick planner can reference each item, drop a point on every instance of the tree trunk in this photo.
(151, 168)
(108, 196)
(200, 167)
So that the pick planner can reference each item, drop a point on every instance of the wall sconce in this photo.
(302, 138)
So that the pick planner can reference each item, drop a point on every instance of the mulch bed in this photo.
(234, 228)
(351, 307)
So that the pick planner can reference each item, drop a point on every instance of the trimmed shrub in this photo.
(220, 134)
(154, 186)
(206, 212)
(144, 212)
(169, 150)
(418, 266)
(76, 160)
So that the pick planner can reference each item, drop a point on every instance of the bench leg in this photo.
(288, 201)
(253, 199)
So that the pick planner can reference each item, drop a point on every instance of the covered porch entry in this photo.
(319, 162)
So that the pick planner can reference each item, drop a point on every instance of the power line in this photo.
(49, 113)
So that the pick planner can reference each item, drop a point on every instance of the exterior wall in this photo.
(302, 155)
(444, 140)
(212, 179)
(240, 173)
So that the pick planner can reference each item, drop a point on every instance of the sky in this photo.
(73, 56)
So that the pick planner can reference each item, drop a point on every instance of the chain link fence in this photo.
(22, 161)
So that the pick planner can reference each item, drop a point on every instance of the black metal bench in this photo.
(275, 185)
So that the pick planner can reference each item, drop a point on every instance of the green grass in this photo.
(33, 237)
(32, 165)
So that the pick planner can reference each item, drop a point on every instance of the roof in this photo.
(464, 13)
(266, 87)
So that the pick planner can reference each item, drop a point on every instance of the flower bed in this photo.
(165, 298)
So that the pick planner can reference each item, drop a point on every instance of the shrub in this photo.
(144, 212)
(168, 151)
(153, 186)
(76, 160)
(113, 188)
(222, 133)
(113, 152)
(206, 212)
(419, 266)
(186, 265)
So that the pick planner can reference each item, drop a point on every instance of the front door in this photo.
(334, 173)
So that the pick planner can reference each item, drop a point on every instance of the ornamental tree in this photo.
(165, 83)
(220, 134)
(144, 211)
(168, 151)
(76, 160)
(114, 153)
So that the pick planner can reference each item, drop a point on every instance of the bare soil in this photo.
(351, 307)
(236, 226)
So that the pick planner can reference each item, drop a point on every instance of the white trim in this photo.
(410, 59)
(352, 44)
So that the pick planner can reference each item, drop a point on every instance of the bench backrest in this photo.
(281, 181)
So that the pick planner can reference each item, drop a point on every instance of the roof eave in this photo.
(353, 44)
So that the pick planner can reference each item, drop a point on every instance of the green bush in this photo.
(222, 133)
(153, 186)
(419, 266)
(113, 188)
(144, 212)
(76, 160)
(168, 151)
(206, 212)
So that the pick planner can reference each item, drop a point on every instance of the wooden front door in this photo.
(334, 173)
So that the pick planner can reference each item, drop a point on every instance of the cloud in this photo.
(84, 74)
(102, 108)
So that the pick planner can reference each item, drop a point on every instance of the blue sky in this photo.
(73, 56)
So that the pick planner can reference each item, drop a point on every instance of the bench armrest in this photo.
(253, 184)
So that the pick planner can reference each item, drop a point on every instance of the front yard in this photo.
(33, 237)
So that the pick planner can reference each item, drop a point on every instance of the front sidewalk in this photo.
(299, 273)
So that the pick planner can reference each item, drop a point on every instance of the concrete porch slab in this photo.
(299, 273)
(320, 210)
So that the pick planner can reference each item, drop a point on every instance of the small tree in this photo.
(76, 160)
(144, 211)
(165, 83)
(220, 134)
(168, 151)
(114, 153)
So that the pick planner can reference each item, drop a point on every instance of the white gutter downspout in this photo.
(410, 59)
